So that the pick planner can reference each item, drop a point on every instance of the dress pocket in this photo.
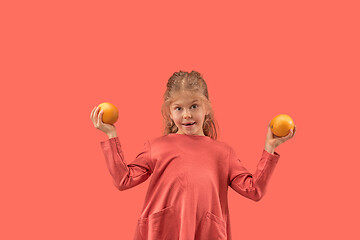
(212, 228)
(161, 225)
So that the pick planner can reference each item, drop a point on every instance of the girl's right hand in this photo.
(96, 118)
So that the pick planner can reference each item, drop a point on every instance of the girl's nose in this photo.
(187, 115)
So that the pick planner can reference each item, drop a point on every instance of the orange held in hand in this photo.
(281, 125)
(111, 113)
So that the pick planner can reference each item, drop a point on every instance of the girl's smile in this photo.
(189, 125)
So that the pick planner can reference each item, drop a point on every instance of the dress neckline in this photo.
(190, 135)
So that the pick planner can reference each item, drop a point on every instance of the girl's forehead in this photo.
(185, 100)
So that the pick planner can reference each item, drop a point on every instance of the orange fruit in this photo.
(111, 113)
(281, 125)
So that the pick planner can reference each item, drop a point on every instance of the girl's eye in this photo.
(180, 107)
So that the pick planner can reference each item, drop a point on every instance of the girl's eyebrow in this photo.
(177, 104)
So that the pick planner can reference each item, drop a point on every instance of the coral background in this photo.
(60, 59)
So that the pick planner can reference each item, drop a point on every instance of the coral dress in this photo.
(187, 196)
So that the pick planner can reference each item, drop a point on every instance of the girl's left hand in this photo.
(275, 141)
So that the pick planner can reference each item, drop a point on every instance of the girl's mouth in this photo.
(189, 125)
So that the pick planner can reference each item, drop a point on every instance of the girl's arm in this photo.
(125, 175)
(252, 186)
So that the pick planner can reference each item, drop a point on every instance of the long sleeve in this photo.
(125, 175)
(247, 184)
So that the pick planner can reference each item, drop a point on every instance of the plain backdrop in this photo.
(60, 59)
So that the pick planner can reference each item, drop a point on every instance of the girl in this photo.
(191, 170)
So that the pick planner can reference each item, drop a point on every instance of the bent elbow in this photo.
(258, 195)
(257, 198)
(119, 186)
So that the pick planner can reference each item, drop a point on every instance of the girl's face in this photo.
(188, 110)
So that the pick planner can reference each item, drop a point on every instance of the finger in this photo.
(100, 116)
(290, 134)
(285, 138)
(97, 112)
(92, 111)
(269, 133)
(97, 116)
(92, 114)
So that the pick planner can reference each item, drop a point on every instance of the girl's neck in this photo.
(189, 135)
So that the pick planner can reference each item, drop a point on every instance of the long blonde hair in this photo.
(188, 83)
